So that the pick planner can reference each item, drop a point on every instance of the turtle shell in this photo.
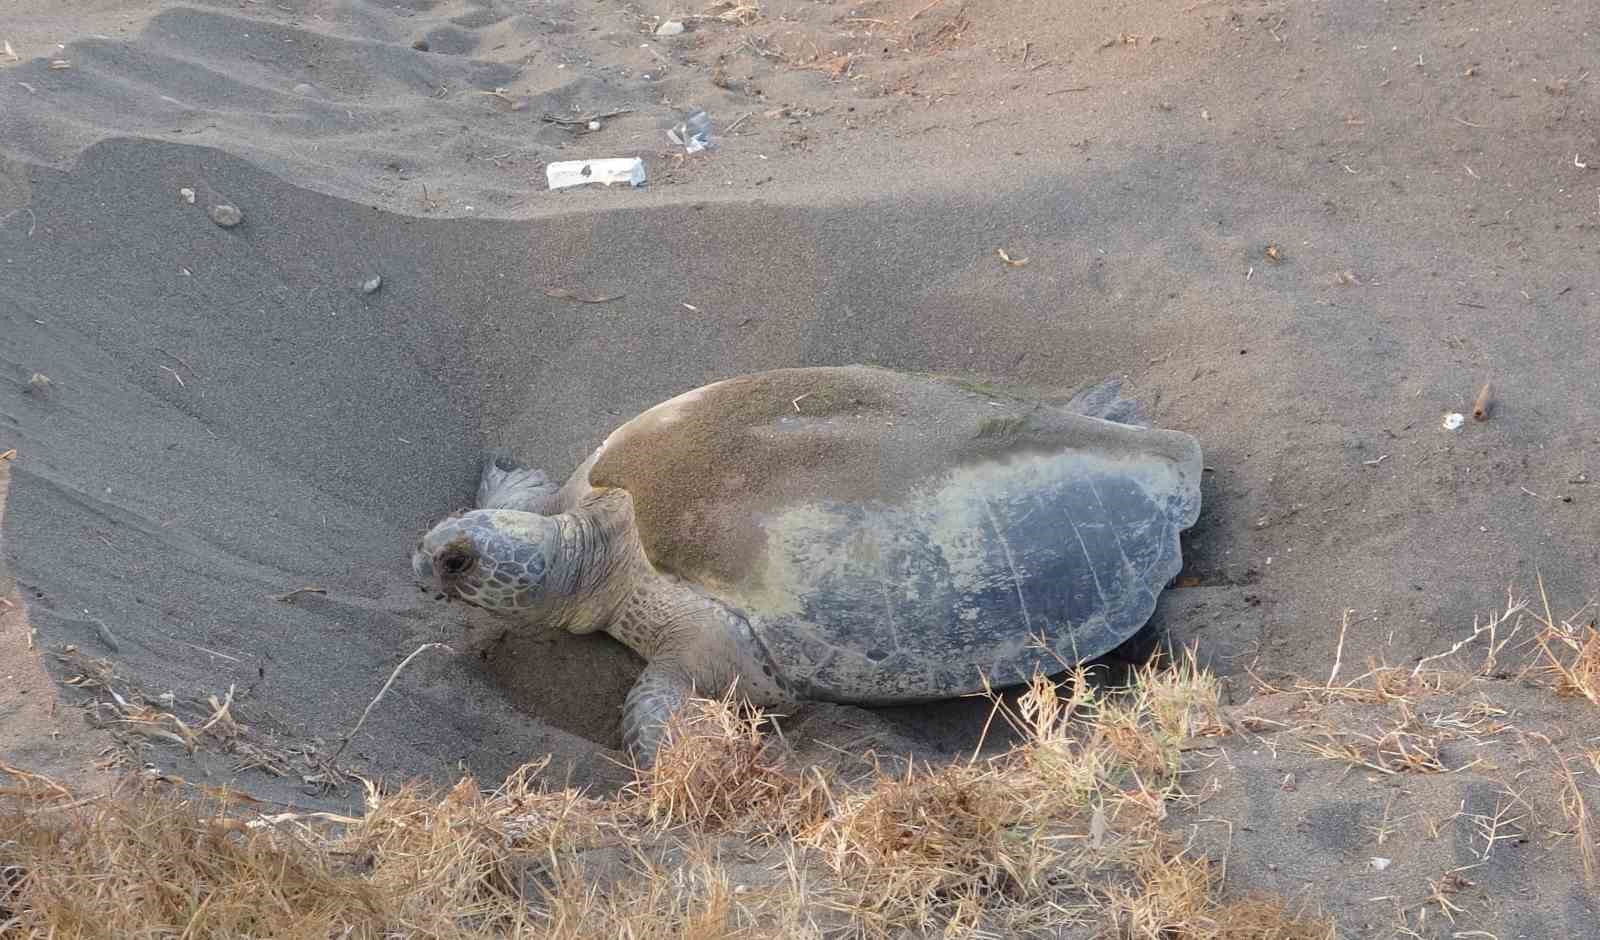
(898, 538)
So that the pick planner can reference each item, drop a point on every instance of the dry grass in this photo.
(719, 839)
(715, 771)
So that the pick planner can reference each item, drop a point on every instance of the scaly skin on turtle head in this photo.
(496, 559)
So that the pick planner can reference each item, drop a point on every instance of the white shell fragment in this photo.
(567, 173)
(669, 28)
(372, 284)
(1454, 420)
(187, 195)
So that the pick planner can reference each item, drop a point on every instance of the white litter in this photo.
(669, 28)
(1454, 420)
(1380, 863)
(693, 133)
(567, 173)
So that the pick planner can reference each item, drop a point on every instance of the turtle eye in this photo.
(455, 562)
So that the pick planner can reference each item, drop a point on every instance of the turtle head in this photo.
(496, 559)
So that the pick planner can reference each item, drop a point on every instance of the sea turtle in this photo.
(846, 534)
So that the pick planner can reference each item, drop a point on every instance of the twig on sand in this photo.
(584, 122)
(1338, 653)
(344, 742)
(303, 590)
(36, 779)
(925, 9)
(9, 455)
(735, 125)
(561, 293)
(1062, 91)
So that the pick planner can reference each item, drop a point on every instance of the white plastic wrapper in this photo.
(568, 173)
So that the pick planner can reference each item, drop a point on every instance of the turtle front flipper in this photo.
(661, 690)
(506, 484)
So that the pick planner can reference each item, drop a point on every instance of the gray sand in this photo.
(1416, 168)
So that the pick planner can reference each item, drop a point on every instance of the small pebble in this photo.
(594, 125)
(420, 45)
(669, 28)
(39, 385)
(226, 216)
(187, 194)
(372, 284)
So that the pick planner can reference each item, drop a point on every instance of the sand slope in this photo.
(231, 417)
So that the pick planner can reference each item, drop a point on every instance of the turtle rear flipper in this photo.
(506, 484)
(1105, 401)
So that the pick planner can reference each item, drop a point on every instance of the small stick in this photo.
(1480, 406)
(9, 455)
(584, 122)
(345, 741)
(1338, 653)
(304, 590)
(925, 9)
(35, 779)
(1062, 91)
(735, 125)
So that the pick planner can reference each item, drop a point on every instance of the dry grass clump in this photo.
(1267, 918)
(717, 840)
(148, 864)
(149, 861)
(1028, 840)
(464, 858)
(1570, 660)
(714, 770)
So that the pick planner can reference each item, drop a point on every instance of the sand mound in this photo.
(231, 417)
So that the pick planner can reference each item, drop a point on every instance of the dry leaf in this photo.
(9, 455)
(10, 53)
(1010, 261)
